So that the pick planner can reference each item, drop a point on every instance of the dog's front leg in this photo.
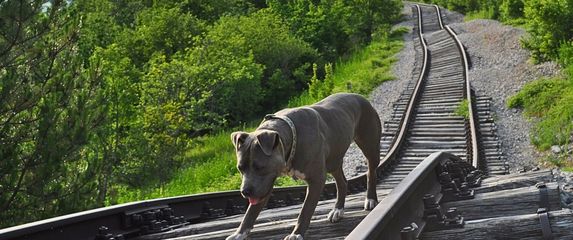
(313, 191)
(249, 220)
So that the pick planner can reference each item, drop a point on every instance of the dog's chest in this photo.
(296, 174)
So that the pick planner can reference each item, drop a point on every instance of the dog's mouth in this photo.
(257, 200)
(254, 201)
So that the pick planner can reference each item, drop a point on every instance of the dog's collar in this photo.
(293, 129)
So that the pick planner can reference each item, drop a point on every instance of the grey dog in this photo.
(306, 143)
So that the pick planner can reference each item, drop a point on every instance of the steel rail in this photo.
(439, 16)
(400, 214)
(471, 104)
(438, 11)
(404, 205)
(407, 118)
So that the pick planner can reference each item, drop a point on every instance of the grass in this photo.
(463, 109)
(548, 102)
(213, 157)
(364, 70)
(482, 14)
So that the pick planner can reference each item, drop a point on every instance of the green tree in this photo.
(109, 144)
(336, 27)
(511, 9)
(268, 38)
(549, 24)
(368, 15)
(48, 106)
(160, 30)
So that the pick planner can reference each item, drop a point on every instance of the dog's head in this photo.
(260, 159)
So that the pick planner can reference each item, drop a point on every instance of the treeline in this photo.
(99, 93)
(550, 37)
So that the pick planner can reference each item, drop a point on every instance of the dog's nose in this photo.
(246, 192)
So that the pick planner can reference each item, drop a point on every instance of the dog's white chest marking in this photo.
(296, 174)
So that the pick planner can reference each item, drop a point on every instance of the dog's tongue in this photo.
(253, 201)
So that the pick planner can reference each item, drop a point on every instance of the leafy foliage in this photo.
(320, 89)
(104, 98)
(285, 58)
(549, 25)
(44, 94)
(334, 27)
(214, 165)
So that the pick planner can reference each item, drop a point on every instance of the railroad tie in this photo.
(545, 225)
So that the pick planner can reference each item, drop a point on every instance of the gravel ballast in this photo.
(499, 68)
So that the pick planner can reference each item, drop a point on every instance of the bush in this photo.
(268, 38)
(551, 100)
(336, 27)
(538, 96)
(511, 9)
(320, 89)
(549, 25)
(566, 57)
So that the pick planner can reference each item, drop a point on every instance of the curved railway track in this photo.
(428, 153)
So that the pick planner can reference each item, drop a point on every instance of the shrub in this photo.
(538, 96)
(566, 57)
(272, 45)
(549, 25)
(551, 100)
(321, 89)
(511, 9)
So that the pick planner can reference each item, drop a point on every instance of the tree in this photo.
(160, 30)
(273, 46)
(549, 25)
(45, 95)
(368, 15)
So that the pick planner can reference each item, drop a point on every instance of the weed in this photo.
(463, 109)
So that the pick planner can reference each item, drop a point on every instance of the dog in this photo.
(307, 143)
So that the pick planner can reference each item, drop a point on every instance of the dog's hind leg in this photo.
(337, 212)
(368, 139)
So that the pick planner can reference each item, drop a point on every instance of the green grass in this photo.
(213, 157)
(549, 103)
(364, 70)
(463, 109)
(482, 14)
(490, 13)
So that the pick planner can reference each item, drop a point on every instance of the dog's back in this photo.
(347, 117)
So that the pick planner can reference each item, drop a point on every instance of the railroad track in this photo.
(431, 158)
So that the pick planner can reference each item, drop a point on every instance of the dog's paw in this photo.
(294, 237)
(335, 215)
(238, 236)
(370, 204)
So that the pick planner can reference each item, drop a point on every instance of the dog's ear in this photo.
(238, 138)
(268, 140)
